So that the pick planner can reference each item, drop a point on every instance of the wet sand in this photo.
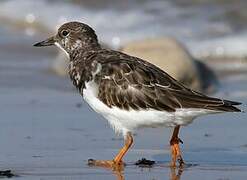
(48, 132)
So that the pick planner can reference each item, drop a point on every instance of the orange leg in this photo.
(175, 149)
(116, 163)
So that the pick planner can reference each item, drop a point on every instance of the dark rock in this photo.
(6, 173)
(144, 163)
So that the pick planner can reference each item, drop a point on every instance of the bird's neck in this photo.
(81, 66)
(79, 51)
(81, 61)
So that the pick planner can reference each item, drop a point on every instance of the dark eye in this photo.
(65, 33)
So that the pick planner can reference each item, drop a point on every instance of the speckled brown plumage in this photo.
(131, 83)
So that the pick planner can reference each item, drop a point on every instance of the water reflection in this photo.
(175, 174)
(119, 175)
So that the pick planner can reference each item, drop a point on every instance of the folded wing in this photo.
(136, 84)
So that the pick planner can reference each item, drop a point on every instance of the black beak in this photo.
(48, 42)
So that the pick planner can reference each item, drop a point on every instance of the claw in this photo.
(106, 164)
(90, 162)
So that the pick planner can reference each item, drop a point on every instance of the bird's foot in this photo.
(111, 164)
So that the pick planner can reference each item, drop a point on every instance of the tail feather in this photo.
(227, 109)
(231, 103)
(197, 100)
(229, 106)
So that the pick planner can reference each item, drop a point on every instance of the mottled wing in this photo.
(129, 87)
(131, 83)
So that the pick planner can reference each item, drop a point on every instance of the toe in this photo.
(91, 162)
(106, 164)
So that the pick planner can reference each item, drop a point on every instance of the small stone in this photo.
(144, 163)
(28, 137)
(207, 135)
(78, 105)
(6, 173)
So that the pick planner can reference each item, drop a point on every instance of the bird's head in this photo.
(72, 36)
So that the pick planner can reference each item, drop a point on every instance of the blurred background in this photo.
(47, 130)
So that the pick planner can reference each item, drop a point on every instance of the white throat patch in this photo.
(60, 47)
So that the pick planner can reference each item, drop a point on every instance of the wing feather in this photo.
(132, 83)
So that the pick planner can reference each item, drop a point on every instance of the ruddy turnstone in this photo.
(129, 92)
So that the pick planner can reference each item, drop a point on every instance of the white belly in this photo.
(124, 121)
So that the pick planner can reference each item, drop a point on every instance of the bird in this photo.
(130, 92)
